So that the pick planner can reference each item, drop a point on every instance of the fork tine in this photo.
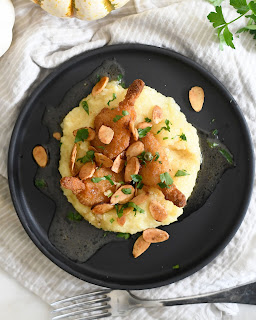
(81, 296)
(97, 316)
(74, 313)
(81, 303)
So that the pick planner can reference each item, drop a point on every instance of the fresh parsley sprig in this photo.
(244, 9)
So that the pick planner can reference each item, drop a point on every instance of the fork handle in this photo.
(245, 294)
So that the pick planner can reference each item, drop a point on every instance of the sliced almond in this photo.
(134, 149)
(73, 184)
(155, 235)
(157, 211)
(196, 98)
(106, 134)
(56, 135)
(91, 148)
(101, 159)
(139, 247)
(87, 170)
(143, 125)
(40, 156)
(99, 86)
(133, 167)
(91, 132)
(133, 130)
(118, 164)
(102, 208)
(157, 114)
(121, 221)
(120, 197)
(72, 163)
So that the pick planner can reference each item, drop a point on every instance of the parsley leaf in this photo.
(216, 2)
(134, 206)
(157, 155)
(181, 173)
(119, 77)
(212, 144)
(217, 17)
(123, 235)
(114, 97)
(85, 106)
(138, 179)
(166, 180)
(165, 138)
(40, 183)
(177, 266)
(88, 157)
(81, 135)
(111, 220)
(226, 155)
(167, 128)
(74, 216)
(98, 179)
(127, 190)
(118, 117)
(215, 132)
(143, 132)
(147, 119)
(183, 137)
(240, 5)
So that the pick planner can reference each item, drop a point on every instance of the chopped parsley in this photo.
(177, 266)
(120, 209)
(167, 128)
(148, 120)
(110, 194)
(181, 173)
(143, 132)
(111, 220)
(89, 156)
(165, 138)
(157, 155)
(81, 135)
(123, 235)
(138, 179)
(118, 117)
(114, 97)
(212, 144)
(101, 147)
(127, 190)
(40, 183)
(166, 180)
(226, 155)
(119, 77)
(74, 216)
(215, 132)
(98, 78)
(98, 179)
(85, 106)
(212, 120)
(183, 137)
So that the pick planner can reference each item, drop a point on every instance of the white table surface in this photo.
(18, 303)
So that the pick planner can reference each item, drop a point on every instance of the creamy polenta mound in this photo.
(180, 143)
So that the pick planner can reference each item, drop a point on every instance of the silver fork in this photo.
(106, 303)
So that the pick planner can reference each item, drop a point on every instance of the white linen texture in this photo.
(42, 42)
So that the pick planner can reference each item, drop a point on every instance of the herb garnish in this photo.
(183, 137)
(138, 179)
(40, 183)
(88, 157)
(165, 138)
(98, 179)
(119, 77)
(123, 235)
(215, 132)
(181, 173)
(118, 117)
(143, 132)
(166, 180)
(114, 97)
(85, 106)
(157, 155)
(226, 155)
(111, 220)
(212, 144)
(219, 22)
(81, 135)
(167, 128)
(101, 147)
(74, 216)
(148, 120)
(177, 266)
(120, 209)
(127, 190)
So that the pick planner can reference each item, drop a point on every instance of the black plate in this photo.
(194, 241)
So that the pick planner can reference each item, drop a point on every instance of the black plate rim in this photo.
(11, 160)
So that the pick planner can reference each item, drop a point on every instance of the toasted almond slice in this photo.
(40, 156)
(87, 170)
(101, 159)
(143, 125)
(56, 135)
(133, 167)
(139, 247)
(102, 208)
(91, 132)
(99, 86)
(106, 134)
(118, 164)
(73, 184)
(134, 150)
(153, 235)
(91, 148)
(196, 98)
(157, 211)
(133, 130)
(121, 221)
(120, 197)
(137, 200)
(157, 114)
(72, 163)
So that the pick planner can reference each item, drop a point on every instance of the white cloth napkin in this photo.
(42, 42)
